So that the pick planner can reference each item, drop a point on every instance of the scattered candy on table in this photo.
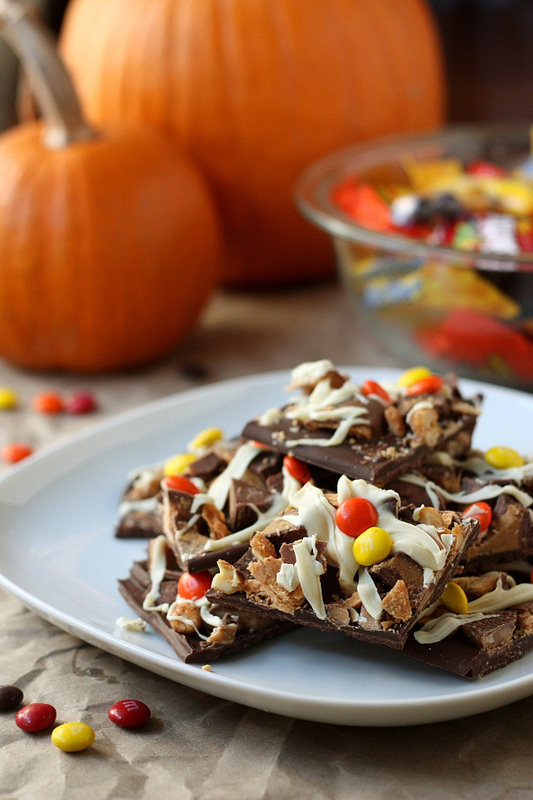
(80, 402)
(8, 398)
(10, 697)
(13, 452)
(73, 736)
(48, 403)
(129, 713)
(36, 717)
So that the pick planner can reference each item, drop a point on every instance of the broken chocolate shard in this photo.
(191, 648)
(378, 461)
(463, 657)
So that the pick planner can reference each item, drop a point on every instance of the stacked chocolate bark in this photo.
(354, 509)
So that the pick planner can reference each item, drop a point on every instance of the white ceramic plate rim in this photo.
(445, 700)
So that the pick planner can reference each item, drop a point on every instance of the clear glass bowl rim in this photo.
(312, 193)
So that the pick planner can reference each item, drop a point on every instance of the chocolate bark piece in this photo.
(265, 579)
(190, 647)
(463, 655)
(344, 431)
(497, 628)
(138, 524)
(379, 461)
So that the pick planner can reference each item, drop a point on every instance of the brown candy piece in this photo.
(10, 697)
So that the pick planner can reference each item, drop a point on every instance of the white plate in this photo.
(59, 556)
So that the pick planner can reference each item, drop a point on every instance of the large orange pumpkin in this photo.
(258, 89)
(109, 241)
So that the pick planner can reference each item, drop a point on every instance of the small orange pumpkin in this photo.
(257, 90)
(109, 241)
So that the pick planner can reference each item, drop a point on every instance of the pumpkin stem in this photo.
(34, 44)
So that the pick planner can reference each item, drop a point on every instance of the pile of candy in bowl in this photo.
(434, 239)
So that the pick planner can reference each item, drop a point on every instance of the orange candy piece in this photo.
(48, 403)
(297, 469)
(430, 385)
(181, 484)
(15, 451)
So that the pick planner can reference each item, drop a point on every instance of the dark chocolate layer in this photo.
(190, 648)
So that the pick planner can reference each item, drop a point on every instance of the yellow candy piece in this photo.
(413, 375)
(8, 398)
(73, 736)
(372, 546)
(206, 438)
(428, 174)
(178, 464)
(454, 598)
(504, 457)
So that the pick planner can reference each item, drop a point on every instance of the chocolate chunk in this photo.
(491, 631)
(242, 497)
(207, 467)
(266, 464)
(401, 567)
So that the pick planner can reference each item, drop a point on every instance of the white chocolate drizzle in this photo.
(158, 566)
(148, 505)
(423, 543)
(487, 492)
(280, 501)
(487, 605)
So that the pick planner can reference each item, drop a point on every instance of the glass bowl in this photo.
(438, 306)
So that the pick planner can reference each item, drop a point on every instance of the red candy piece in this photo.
(129, 713)
(371, 387)
(36, 717)
(480, 511)
(181, 484)
(80, 402)
(430, 385)
(363, 203)
(47, 403)
(355, 515)
(193, 586)
(298, 470)
(15, 451)
(486, 169)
